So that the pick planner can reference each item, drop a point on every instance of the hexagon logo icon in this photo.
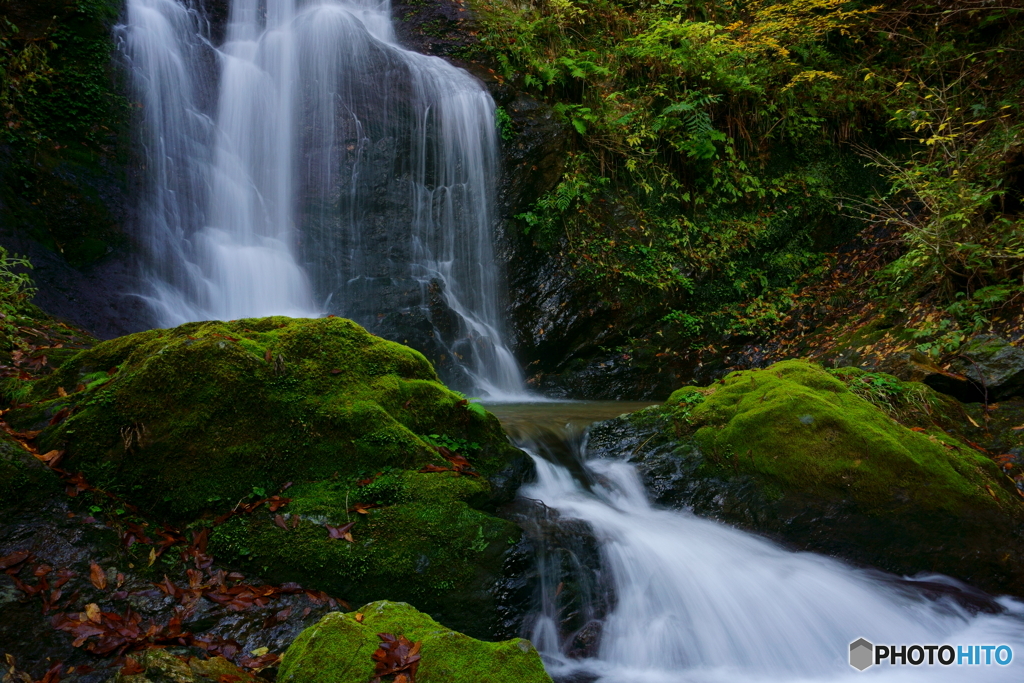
(862, 654)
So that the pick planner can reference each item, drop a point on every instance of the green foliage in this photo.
(504, 123)
(64, 124)
(16, 290)
(704, 162)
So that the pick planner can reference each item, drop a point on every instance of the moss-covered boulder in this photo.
(188, 423)
(793, 452)
(339, 649)
(23, 478)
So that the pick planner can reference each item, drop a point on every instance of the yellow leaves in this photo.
(92, 612)
(809, 77)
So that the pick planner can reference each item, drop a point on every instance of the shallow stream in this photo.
(684, 599)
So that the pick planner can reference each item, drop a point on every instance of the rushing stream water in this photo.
(308, 164)
(693, 600)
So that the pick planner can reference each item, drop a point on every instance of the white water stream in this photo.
(697, 601)
(311, 165)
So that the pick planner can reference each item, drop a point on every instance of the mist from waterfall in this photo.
(310, 165)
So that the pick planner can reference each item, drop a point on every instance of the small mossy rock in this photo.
(790, 451)
(338, 650)
(160, 666)
(190, 420)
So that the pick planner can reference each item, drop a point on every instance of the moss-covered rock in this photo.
(187, 423)
(190, 420)
(22, 477)
(791, 451)
(160, 666)
(339, 649)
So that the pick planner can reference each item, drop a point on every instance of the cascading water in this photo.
(310, 165)
(692, 600)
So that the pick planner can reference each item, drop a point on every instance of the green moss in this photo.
(798, 428)
(338, 650)
(426, 544)
(186, 421)
(22, 477)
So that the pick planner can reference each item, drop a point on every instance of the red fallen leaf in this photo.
(435, 468)
(97, 576)
(63, 576)
(268, 355)
(278, 618)
(396, 655)
(275, 503)
(261, 662)
(75, 484)
(132, 667)
(111, 372)
(290, 588)
(342, 531)
(52, 674)
(916, 429)
(295, 521)
(14, 559)
(42, 570)
(60, 415)
(336, 371)
(279, 521)
(228, 678)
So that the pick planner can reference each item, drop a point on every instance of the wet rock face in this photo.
(987, 369)
(819, 470)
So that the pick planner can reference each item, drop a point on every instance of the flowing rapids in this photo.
(678, 598)
(309, 165)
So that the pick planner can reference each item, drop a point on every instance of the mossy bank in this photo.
(188, 423)
(803, 455)
(339, 649)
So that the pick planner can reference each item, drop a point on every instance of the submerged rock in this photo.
(339, 649)
(792, 452)
(188, 424)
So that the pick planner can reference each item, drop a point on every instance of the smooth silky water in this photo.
(695, 601)
(308, 164)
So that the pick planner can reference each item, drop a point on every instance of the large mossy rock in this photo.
(792, 452)
(339, 649)
(187, 423)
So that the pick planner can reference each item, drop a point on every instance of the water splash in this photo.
(310, 165)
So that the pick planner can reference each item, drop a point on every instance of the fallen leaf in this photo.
(359, 617)
(279, 521)
(61, 392)
(340, 531)
(97, 576)
(92, 612)
(132, 667)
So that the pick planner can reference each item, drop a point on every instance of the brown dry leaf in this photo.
(1017, 428)
(268, 355)
(61, 392)
(51, 458)
(152, 556)
(971, 420)
(991, 492)
(97, 576)
(92, 612)
(359, 617)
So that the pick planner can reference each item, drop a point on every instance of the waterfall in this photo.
(693, 600)
(309, 165)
